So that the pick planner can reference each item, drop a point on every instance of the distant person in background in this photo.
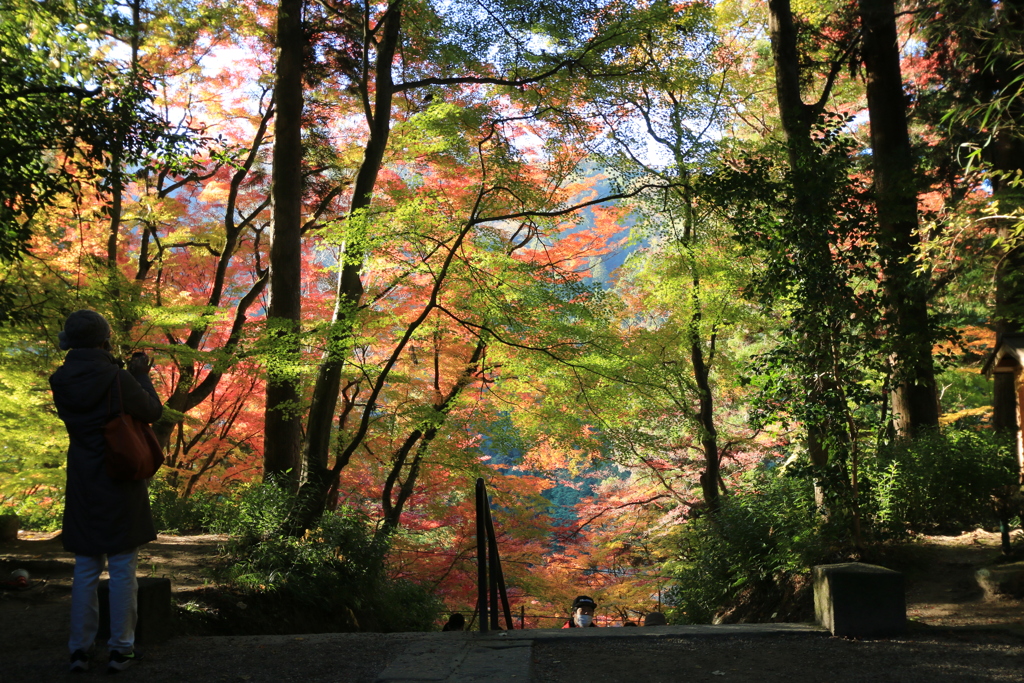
(456, 622)
(629, 623)
(655, 619)
(105, 521)
(582, 612)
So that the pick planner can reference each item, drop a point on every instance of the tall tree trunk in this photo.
(283, 428)
(709, 478)
(915, 401)
(117, 144)
(797, 119)
(1007, 157)
(700, 360)
(318, 477)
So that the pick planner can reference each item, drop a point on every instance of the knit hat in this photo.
(84, 329)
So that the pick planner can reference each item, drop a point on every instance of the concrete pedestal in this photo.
(859, 600)
(9, 525)
(154, 624)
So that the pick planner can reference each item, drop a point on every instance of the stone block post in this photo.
(859, 600)
(9, 525)
(154, 624)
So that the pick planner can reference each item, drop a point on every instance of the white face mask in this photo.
(583, 620)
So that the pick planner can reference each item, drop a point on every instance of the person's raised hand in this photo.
(139, 364)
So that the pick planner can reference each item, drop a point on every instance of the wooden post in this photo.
(481, 553)
(492, 563)
(498, 578)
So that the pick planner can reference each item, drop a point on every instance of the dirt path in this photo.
(186, 560)
(941, 588)
(38, 617)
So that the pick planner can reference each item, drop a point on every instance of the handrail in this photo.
(497, 576)
(481, 554)
(489, 573)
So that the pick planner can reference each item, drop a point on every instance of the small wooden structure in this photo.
(1005, 366)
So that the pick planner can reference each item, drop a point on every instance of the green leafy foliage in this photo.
(33, 443)
(201, 512)
(48, 101)
(820, 271)
(69, 115)
(768, 531)
(940, 481)
(336, 570)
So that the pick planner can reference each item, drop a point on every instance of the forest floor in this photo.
(956, 634)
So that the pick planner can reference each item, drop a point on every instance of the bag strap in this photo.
(120, 396)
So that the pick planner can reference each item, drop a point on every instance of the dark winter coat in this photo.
(101, 516)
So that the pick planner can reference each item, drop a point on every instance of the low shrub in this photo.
(252, 509)
(750, 560)
(766, 535)
(333, 578)
(938, 482)
(336, 572)
(200, 512)
(37, 513)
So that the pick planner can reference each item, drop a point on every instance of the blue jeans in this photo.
(85, 605)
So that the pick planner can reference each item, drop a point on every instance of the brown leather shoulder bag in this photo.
(133, 451)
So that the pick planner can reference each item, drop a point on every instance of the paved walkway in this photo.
(763, 653)
(458, 657)
(506, 655)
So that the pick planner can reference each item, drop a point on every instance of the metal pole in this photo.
(495, 569)
(498, 575)
(481, 553)
(522, 617)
